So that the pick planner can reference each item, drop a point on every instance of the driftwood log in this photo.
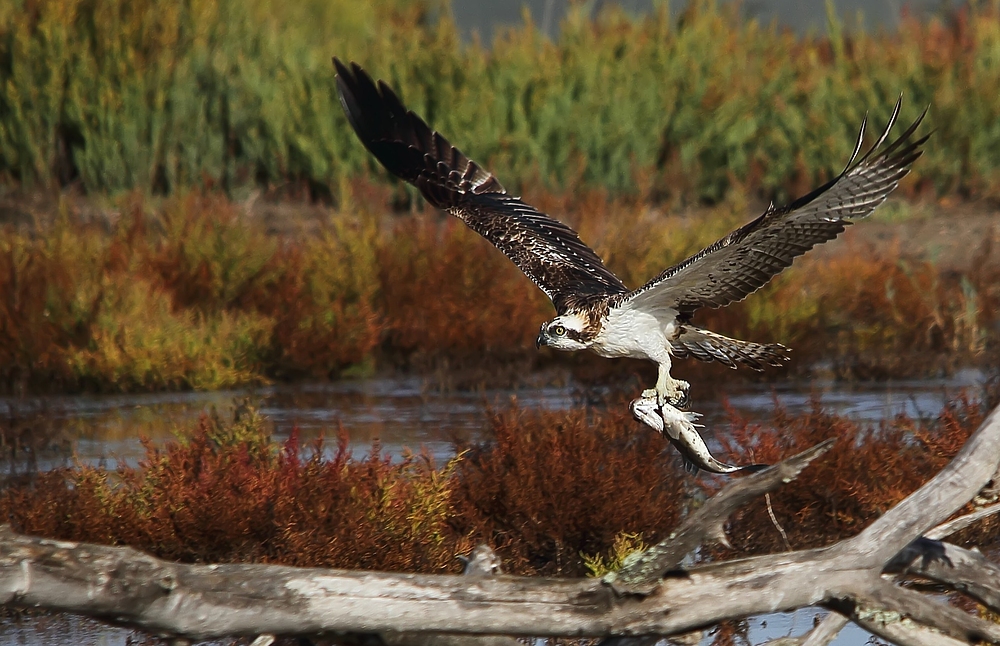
(864, 579)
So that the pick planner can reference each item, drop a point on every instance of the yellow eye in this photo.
(559, 330)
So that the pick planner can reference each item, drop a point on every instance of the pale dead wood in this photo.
(826, 631)
(930, 505)
(482, 562)
(960, 569)
(898, 629)
(945, 530)
(945, 618)
(642, 574)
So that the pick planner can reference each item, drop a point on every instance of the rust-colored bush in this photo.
(225, 492)
(868, 470)
(546, 487)
(447, 292)
(195, 292)
(543, 489)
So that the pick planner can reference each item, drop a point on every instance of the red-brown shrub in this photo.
(869, 469)
(548, 486)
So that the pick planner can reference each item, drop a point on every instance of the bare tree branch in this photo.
(826, 631)
(642, 575)
(928, 612)
(934, 502)
(209, 601)
(898, 630)
(483, 561)
(960, 569)
(945, 530)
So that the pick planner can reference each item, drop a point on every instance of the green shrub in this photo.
(155, 96)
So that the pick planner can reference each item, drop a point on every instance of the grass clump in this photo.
(138, 341)
(625, 546)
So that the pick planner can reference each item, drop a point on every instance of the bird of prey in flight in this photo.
(595, 310)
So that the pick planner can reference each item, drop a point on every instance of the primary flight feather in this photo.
(594, 309)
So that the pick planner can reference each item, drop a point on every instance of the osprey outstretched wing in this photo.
(596, 311)
(746, 259)
(546, 250)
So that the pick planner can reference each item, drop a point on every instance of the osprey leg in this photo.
(668, 391)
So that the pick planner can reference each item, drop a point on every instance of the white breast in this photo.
(635, 334)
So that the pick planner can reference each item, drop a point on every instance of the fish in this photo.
(680, 428)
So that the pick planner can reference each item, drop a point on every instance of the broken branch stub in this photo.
(642, 573)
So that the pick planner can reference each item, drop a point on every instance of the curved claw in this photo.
(678, 394)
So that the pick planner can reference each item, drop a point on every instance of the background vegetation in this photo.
(118, 95)
(163, 128)
(192, 292)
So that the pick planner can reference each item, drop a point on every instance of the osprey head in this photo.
(567, 332)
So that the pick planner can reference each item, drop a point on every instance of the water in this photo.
(71, 630)
(801, 16)
(401, 413)
(104, 429)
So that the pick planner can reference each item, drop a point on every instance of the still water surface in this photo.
(404, 413)
(401, 413)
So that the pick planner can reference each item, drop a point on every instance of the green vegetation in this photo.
(624, 546)
(122, 95)
(225, 492)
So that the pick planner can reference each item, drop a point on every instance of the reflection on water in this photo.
(400, 412)
(66, 630)
(58, 629)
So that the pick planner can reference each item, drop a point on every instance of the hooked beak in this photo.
(540, 341)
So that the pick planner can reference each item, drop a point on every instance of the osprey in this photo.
(595, 310)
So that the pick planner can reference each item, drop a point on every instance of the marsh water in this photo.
(402, 414)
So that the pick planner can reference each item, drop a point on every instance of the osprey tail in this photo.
(705, 345)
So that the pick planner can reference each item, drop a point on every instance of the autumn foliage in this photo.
(545, 489)
(198, 292)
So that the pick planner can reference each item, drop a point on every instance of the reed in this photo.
(114, 95)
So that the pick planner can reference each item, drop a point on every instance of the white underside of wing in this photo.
(635, 333)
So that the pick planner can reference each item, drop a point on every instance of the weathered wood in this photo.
(482, 562)
(928, 612)
(945, 530)
(640, 575)
(898, 629)
(201, 602)
(826, 631)
(930, 505)
(960, 569)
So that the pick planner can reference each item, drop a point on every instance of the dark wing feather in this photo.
(546, 250)
(746, 259)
